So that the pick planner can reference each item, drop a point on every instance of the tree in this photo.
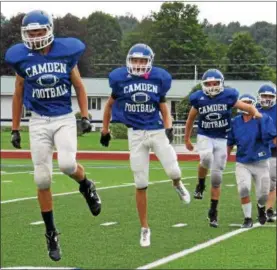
(127, 23)
(104, 38)
(246, 59)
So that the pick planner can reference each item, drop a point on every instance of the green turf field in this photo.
(87, 142)
(88, 244)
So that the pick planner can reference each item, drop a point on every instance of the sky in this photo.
(224, 12)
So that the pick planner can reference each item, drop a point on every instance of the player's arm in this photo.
(167, 119)
(248, 108)
(107, 115)
(105, 133)
(188, 128)
(80, 91)
(17, 102)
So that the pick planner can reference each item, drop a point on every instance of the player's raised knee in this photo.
(67, 163)
(216, 178)
(206, 159)
(173, 171)
(42, 177)
(244, 192)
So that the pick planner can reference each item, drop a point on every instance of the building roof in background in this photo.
(180, 88)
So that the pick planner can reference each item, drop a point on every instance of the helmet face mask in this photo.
(37, 30)
(212, 82)
(139, 60)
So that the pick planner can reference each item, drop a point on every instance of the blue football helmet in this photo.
(249, 99)
(36, 20)
(139, 51)
(212, 75)
(267, 96)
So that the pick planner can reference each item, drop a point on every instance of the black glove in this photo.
(16, 139)
(169, 134)
(105, 139)
(85, 125)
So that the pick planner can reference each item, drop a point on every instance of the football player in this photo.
(212, 104)
(267, 105)
(46, 68)
(138, 98)
(253, 139)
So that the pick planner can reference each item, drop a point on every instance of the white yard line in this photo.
(100, 188)
(196, 248)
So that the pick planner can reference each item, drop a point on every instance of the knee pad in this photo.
(173, 171)
(141, 179)
(42, 176)
(67, 163)
(244, 191)
(216, 178)
(206, 159)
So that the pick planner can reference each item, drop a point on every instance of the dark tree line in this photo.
(179, 40)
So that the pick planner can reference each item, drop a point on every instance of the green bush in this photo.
(119, 131)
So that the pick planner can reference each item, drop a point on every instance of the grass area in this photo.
(86, 244)
(88, 142)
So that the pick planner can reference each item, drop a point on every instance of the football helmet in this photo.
(267, 96)
(249, 99)
(212, 82)
(139, 51)
(36, 20)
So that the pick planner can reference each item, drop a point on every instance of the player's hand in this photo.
(169, 134)
(16, 139)
(189, 145)
(257, 115)
(105, 138)
(85, 125)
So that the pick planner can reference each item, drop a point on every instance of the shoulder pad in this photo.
(231, 91)
(63, 47)
(16, 53)
(119, 74)
(160, 73)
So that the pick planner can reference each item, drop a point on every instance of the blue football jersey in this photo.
(47, 83)
(252, 138)
(137, 98)
(214, 114)
(272, 113)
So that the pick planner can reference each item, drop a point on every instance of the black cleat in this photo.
(271, 216)
(92, 198)
(248, 223)
(261, 215)
(212, 217)
(198, 193)
(53, 246)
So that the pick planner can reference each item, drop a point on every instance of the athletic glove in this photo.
(169, 134)
(105, 139)
(85, 125)
(16, 139)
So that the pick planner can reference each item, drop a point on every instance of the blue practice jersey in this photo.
(272, 113)
(214, 113)
(137, 98)
(47, 83)
(252, 138)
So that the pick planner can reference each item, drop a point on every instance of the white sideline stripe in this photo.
(265, 225)
(198, 247)
(108, 223)
(37, 223)
(100, 188)
(6, 181)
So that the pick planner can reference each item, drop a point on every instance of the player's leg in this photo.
(41, 144)
(218, 165)
(243, 178)
(168, 158)
(139, 162)
(205, 148)
(262, 184)
(272, 194)
(65, 139)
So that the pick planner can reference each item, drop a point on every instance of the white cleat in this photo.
(145, 237)
(183, 192)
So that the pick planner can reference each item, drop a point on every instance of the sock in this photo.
(201, 182)
(49, 221)
(247, 209)
(85, 183)
(214, 204)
